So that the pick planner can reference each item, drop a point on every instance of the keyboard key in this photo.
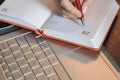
(33, 63)
(29, 55)
(18, 55)
(15, 48)
(5, 67)
(44, 45)
(12, 42)
(26, 69)
(40, 56)
(48, 52)
(38, 39)
(13, 67)
(21, 40)
(10, 60)
(38, 70)
(53, 77)
(53, 59)
(8, 75)
(22, 61)
(31, 40)
(18, 75)
(36, 49)
(42, 77)
(44, 63)
(49, 71)
(26, 49)
(61, 72)
(30, 77)
(4, 46)
(7, 53)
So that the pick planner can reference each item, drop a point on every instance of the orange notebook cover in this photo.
(41, 16)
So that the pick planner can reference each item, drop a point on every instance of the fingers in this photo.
(68, 10)
(68, 15)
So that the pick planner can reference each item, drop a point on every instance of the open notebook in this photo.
(41, 17)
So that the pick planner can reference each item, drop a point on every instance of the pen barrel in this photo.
(79, 7)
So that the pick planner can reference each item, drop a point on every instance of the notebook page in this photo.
(34, 12)
(94, 18)
(95, 23)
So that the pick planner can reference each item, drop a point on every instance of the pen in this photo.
(79, 7)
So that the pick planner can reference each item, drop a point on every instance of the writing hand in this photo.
(68, 10)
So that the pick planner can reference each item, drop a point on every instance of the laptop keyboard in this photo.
(30, 57)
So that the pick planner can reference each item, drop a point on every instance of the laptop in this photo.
(27, 56)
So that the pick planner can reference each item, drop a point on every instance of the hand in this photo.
(68, 10)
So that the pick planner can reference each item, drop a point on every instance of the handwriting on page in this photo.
(86, 32)
(85, 28)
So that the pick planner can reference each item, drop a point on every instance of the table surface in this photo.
(83, 63)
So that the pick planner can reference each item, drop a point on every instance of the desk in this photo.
(83, 64)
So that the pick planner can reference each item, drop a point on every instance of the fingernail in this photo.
(85, 9)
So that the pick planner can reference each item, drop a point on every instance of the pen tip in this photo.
(82, 20)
